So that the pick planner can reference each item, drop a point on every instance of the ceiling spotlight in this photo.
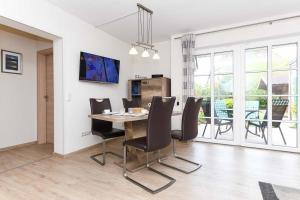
(133, 51)
(156, 56)
(145, 53)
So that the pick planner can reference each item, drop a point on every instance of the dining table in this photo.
(135, 125)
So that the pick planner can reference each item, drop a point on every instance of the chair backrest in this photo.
(159, 123)
(220, 109)
(252, 109)
(279, 107)
(189, 124)
(206, 108)
(97, 107)
(130, 103)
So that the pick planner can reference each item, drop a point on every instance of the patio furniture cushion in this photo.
(221, 109)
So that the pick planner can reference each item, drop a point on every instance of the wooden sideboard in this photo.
(144, 89)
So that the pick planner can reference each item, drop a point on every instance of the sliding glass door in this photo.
(271, 96)
(203, 79)
(250, 94)
(256, 95)
(214, 82)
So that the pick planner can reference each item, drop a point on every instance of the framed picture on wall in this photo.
(11, 62)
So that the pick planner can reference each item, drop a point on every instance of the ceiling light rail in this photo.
(144, 36)
(116, 19)
(144, 39)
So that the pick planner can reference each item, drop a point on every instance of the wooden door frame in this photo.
(41, 93)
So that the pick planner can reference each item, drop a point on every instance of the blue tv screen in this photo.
(98, 68)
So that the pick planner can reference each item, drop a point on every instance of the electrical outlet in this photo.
(85, 133)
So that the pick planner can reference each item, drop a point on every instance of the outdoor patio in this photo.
(289, 132)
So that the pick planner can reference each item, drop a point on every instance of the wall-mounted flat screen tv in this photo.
(98, 68)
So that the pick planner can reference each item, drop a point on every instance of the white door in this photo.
(271, 95)
(214, 81)
(250, 94)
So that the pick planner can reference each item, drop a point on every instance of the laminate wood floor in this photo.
(227, 173)
(13, 158)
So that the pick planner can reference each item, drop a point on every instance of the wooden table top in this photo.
(122, 119)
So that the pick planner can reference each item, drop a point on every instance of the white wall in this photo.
(18, 99)
(71, 112)
(148, 66)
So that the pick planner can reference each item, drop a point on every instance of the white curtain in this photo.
(189, 65)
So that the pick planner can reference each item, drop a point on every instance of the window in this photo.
(216, 82)
(271, 87)
(263, 110)
(203, 89)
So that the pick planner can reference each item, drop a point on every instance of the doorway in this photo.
(45, 97)
(250, 94)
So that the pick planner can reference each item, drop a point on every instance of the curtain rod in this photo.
(243, 26)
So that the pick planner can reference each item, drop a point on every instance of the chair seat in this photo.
(111, 133)
(224, 121)
(139, 143)
(258, 123)
(176, 134)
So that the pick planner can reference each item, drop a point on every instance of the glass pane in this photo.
(256, 59)
(284, 56)
(223, 118)
(256, 131)
(204, 130)
(284, 134)
(284, 82)
(204, 118)
(203, 65)
(224, 107)
(205, 110)
(284, 108)
(256, 108)
(202, 86)
(223, 85)
(256, 83)
(223, 129)
(223, 62)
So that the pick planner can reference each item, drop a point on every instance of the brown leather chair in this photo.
(189, 130)
(279, 107)
(134, 103)
(158, 137)
(103, 129)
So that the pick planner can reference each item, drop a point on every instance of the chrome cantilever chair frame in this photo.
(147, 166)
(196, 104)
(103, 154)
(197, 165)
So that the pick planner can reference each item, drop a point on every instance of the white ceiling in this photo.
(174, 16)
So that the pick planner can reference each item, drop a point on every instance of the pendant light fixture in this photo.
(133, 51)
(145, 53)
(144, 39)
(156, 56)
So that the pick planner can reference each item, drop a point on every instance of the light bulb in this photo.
(133, 51)
(156, 56)
(145, 54)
